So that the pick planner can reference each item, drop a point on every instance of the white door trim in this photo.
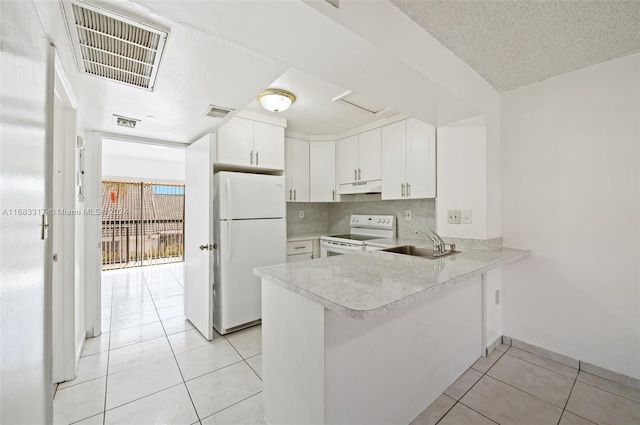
(66, 346)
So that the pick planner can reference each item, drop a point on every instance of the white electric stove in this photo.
(362, 228)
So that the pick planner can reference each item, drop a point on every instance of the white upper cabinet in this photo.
(246, 143)
(322, 174)
(359, 157)
(394, 162)
(408, 160)
(235, 142)
(297, 170)
(369, 155)
(268, 143)
(348, 160)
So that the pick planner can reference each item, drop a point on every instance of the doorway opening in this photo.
(142, 224)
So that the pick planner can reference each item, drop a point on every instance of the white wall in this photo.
(25, 297)
(571, 194)
(151, 170)
(462, 164)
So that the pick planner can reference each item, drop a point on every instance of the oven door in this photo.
(331, 248)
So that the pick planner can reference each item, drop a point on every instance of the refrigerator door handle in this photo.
(228, 241)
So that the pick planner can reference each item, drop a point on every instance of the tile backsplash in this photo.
(316, 217)
(423, 214)
(334, 217)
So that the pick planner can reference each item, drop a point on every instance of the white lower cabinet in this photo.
(300, 250)
(322, 171)
(408, 160)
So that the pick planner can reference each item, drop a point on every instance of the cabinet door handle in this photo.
(355, 174)
(290, 195)
(294, 194)
(359, 174)
(251, 158)
(333, 195)
(402, 189)
(257, 158)
(408, 190)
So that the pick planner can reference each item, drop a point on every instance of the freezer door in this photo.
(244, 245)
(246, 196)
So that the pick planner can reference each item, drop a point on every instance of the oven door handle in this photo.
(342, 245)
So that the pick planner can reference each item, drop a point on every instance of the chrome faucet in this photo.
(439, 245)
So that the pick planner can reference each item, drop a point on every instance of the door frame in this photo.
(66, 343)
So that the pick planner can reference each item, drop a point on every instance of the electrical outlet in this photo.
(465, 216)
(301, 214)
(407, 215)
(497, 297)
(454, 216)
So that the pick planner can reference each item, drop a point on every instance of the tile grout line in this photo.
(607, 391)
(474, 384)
(231, 405)
(173, 353)
(564, 408)
(544, 367)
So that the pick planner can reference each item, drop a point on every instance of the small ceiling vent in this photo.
(362, 103)
(218, 111)
(125, 122)
(114, 47)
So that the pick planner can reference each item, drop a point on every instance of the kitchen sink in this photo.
(417, 252)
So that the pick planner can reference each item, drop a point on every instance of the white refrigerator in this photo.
(250, 231)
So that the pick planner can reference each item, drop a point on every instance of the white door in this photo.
(394, 178)
(25, 293)
(198, 237)
(369, 155)
(268, 145)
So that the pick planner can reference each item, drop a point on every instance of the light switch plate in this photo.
(407, 215)
(453, 216)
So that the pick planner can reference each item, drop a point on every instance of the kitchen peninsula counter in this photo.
(368, 285)
(372, 338)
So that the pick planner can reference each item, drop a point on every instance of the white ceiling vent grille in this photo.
(218, 111)
(113, 47)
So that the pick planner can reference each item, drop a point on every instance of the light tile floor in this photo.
(515, 387)
(151, 366)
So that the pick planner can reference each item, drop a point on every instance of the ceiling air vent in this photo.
(126, 122)
(217, 111)
(114, 47)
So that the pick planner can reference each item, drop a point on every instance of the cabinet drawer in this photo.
(299, 257)
(300, 247)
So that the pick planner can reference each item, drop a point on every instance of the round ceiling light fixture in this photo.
(276, 100)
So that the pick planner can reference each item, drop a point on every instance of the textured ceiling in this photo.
(515, 43)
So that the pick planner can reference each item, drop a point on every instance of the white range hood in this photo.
(372, 186)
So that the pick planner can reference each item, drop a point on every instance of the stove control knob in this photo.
(378, 220)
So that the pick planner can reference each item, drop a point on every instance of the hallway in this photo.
(151, 366)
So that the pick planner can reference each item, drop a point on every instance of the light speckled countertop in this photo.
(303, 236)
(369, 284)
